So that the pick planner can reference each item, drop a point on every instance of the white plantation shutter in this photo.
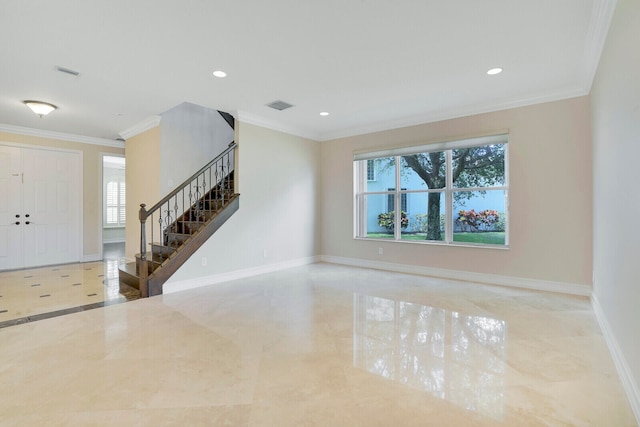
(121, 206)
(115, 197)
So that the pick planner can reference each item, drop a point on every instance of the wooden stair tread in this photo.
(187, 233)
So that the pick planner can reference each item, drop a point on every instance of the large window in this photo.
(454, 192)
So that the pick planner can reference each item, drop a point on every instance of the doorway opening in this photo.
(113, 206)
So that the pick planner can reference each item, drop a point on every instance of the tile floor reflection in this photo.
(33, 294)
(318, 345)
(455, 357)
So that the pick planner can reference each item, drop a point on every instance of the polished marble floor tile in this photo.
(32, 294)
(318, 345)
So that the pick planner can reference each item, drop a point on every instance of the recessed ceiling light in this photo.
(219, 73)
(494, 71)
(324, 113)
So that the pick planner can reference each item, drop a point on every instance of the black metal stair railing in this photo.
(184, 211)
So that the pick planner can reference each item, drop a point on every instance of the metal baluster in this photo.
(224, 185)
(211, 190)
(168, 220)
(142, 284)
(231, 184)
(164, 237)
(217, 185)
(201, 200)
(175, 209)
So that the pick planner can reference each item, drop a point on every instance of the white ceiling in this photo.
(373, 64)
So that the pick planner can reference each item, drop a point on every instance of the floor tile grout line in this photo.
(71, 310)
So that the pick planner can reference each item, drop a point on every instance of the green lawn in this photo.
(489, 238)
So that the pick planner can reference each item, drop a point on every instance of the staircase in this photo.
(181, 222)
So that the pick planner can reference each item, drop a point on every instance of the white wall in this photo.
(615, 102)
(190, 136)
(550, 197)
(278, 216)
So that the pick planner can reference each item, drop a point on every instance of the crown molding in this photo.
(465, 111)
(601, 17)
(145, 125)
(19, 130)
(253, 119)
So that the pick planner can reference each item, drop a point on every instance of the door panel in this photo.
(43, 188)
(51, 199)
(11, 248)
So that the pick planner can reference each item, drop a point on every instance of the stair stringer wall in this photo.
(278, 177)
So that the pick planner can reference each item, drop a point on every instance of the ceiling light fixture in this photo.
(494, 71)
(324, 113)
(39, 107)
(220, 74)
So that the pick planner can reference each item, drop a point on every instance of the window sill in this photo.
(436, 243)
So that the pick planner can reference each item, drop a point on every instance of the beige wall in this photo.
(143, 182)
(550, 195)
(279, 213)
(91, 186)
(615, 103)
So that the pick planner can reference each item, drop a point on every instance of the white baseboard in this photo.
(624, 371)
(183, 285)
(467, 276)
(114, 240)
(91, 258)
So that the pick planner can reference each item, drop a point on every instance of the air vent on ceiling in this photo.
(68, 71)
(279, 105)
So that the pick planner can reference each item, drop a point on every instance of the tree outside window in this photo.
(458, 193)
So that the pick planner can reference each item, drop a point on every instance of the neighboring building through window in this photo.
(371, 171)
(391, 200)
(459, 192)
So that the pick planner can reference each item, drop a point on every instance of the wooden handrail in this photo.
(147, 263)
(145, 213)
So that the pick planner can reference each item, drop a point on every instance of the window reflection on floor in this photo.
(456, 357)
(112, 279)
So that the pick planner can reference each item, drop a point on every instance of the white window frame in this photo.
(360, 193)
(120, 205)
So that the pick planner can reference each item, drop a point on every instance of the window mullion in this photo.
(397, 229)
(448, 227)
(361, 211)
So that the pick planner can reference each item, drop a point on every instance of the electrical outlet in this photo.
(264, 253)
(380, 251)
(204, 261)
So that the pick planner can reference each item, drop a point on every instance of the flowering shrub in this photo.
(387, 220)
(478, 221)
(421, 220)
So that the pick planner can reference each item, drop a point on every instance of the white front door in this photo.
(48, 192)
(11, 215)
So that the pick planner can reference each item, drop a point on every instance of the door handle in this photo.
(17, 215)
(17, 222)
(27, 223)
(27, 215)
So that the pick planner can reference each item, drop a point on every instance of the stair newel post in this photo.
(144, 268)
